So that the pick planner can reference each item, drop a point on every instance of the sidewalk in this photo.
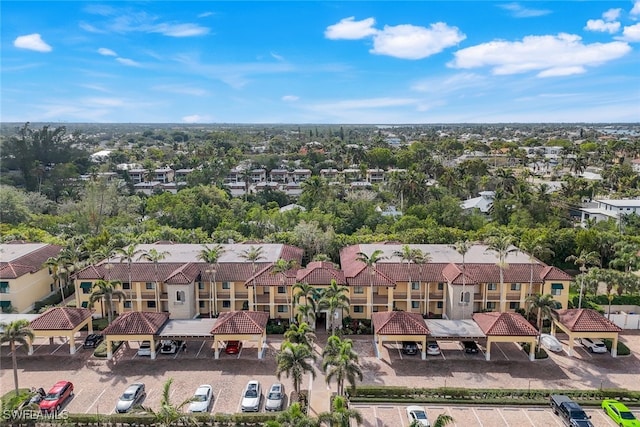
(319, 391)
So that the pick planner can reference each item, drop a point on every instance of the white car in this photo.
(550, 342)
(201, 399)
(433, 349)
(145, 348)
(594, 345)
(419, 415)
(251, 397)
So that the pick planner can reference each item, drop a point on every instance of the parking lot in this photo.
(99, 383)
(471, 416)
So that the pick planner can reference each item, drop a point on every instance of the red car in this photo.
(233, 347)
(58, 394)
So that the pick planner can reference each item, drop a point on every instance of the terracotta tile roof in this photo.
(504, 324)
(364, 279)
(137, 323)
(554, 273)
(241, 323)
(60, 318)
(292, 253)
(399, 323)
(585, 320)
(185, 274)
(29, 261)
(320, 273)
(351, 268)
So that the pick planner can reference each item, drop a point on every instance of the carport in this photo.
(506, 327)
(454, 330)
(585, 323)
(399, 326)
(185, 329)
(241, 326)
(64, 322)
(135, 326)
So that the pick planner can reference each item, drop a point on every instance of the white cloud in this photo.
(180, 30)
(635, 11)
(106, 52)
(412, 42)
(128, 62)
(32, 42)
(611, 14)
(290, 98)
(519, 11)
(602, 26)
(350, 29)
(181, 90)
(197, 118)
(549, 55)
(631, 33)
(205, 14)
(104, 102)
(276, 56)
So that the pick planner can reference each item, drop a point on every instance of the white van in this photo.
(145, 348)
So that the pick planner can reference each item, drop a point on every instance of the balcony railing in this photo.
(224, 294)
(358, 300)
(203, 295)
(513, 297)
(148, 295)
(400, 295)
(242, 295)
(436, 295)
(380, 299)
(417, 295)
(262, 299)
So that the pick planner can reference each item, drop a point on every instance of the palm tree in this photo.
(535, 247)
(462, 247)
(334, 298)
(14, 332)
(300, 334)
(306, 313)
(502, 246)
(340, 362)
(128, 254)
(155, 256)
(253, 255)
(281, 266)
(295, 360)
(340, 415)
(293, 417)
(370, 262)
(57, 266)
(443, 420)
(310, 295)
(105, 290)
(170, 414)
(211, 257)
(583, 260)
(544, 305)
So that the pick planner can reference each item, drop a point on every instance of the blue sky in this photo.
(320, 62)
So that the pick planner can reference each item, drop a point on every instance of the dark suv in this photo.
(410, 348)
(470, 346)
(92, 341)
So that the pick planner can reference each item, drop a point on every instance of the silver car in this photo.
(251, 397)
(275, 398)
(201, 400)
(131, 397)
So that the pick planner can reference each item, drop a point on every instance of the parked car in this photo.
(433, 349)
(202, 399)
(92, 341)
(56, 397)
(251, 397)
(619, 413)
(410, 348)
(275, 398)
(594, 345)
(550, 342)
(233, 347)
(145, 348)
(470, 346)
(131, 397)
(419, 415)
(572, 413)
(171, 346)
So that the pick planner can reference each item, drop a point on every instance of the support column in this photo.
(72, 344)
(216, 349)
(614, 347)
(532, 351)
(379, 347)
(109, 352)
(487, 354)
(424, 348)
(153, 349)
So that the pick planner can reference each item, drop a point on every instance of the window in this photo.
(4, 287)
(283, 309)
(226, 285)
(201, 286)
(415, 286)
(465, 297)
(440, 286)
(127, 304)
(439, 304)
(201, 304)
(491, 305)
(492, 287)
(126, 285)
(180, 296)
(151, 304)
(86, 287)
(556, 288)
(281, 290)
(514, 305)
(375, 309)
(358, 309)
(358, 290)
(226, 304)
(150, 286)
(415, 304)
(515, 286)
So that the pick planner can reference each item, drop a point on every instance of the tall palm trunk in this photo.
(14, 365)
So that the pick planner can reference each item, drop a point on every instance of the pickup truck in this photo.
(570, 412)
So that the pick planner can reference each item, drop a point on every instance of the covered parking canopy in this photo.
(506, 327)
(63, 322)
(185, 329)
(240, 326)
(135, 326)
(399, 326)
(454, 330)
(585, 323)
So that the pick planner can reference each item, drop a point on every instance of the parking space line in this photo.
(400, 416)
(95, 401)
(505, 356)
(399, 350)
(213, 408)
(200, 349)
(375, 415)
(606, 418)
(502, 416)
(240, 351)
(527, 415)
(477, 417)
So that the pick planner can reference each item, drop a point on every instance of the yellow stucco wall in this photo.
(25, 290)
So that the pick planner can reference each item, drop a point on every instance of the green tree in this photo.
(310, 295)
(582, 260)
(293, 416)
(105, 291)
(170, 414)
(281, 266)
(340, 415)
(253, 255)
(370, 263)
(462, 247)
(334, 299)
(502, 246)
(295, 360)
(211, 255)
(128, 254)
(443, 420)
(155, 256)
(535, 247)
(17, 331)
(543, 305)
(340, 362)
(300, 334)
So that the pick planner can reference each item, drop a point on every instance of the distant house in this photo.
(602, 210)
(482, 203)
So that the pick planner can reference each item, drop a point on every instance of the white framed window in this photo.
(440, 286)
(514, 305)
(415, 286)
(415, 304)
(358, 309)
(491, 305)
(226, 285)
(282, 290)
(151, 304)
(516, 286)
(226, 304)
(127, 304)
(283, 309)
(180, 296)
(358, 290)
(201, 286)
(150, 286)
(492, 287)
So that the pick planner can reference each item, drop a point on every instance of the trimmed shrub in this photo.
(541, 353)
(623, 350)
(101, 350)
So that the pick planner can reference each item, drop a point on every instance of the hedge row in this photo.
(623, 350)
(485, 396)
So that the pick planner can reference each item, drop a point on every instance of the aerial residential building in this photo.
(24, 279)
(601, 210)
